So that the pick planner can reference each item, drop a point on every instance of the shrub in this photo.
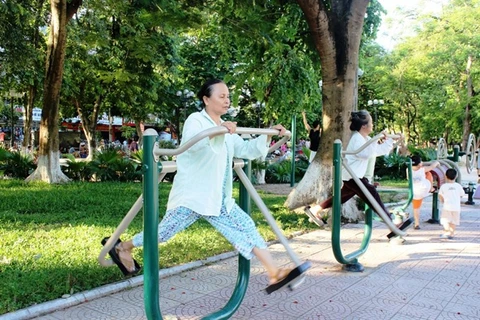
(109, 165)
(76, 170)
(392, 166)
(301, 166)
(15, 164)
(280, 171)
(426, 154)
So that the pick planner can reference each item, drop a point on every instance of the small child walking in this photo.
(450, 194)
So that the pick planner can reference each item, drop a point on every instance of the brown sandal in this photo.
(125, 257)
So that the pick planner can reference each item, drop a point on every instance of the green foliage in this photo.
(425, 80)
(128, 132)
(137, 156)
(258, 165)
(8, 115)
(23, 46)
(110, 165)
(16, 164)
(427, 154)
(392, 166)
(280, 171)
(301, 166)
(107, 165)
(76, 169)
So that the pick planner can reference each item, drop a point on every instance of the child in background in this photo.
(422, 185)
(450, 194)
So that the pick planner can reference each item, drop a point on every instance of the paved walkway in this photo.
(426, 278)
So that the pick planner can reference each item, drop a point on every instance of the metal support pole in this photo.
(150, 227)
(293, 141)
(243, 264)
(456, 153)
(349, 261)
(434, 218)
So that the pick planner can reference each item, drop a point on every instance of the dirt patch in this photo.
(275, 188)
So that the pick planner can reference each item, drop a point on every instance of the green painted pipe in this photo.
(350, 258)
(150, 228)
(243, 264)
(293, 142)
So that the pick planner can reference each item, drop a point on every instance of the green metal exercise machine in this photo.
(350, 261)
(151, 168)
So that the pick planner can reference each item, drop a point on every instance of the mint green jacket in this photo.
(198, 184)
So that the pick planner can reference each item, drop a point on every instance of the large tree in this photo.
(22, 52)
(48, 166)
(275, 49)
(336, 28)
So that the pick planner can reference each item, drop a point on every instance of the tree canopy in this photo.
(131, 58)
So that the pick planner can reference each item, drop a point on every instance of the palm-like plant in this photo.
(105, 165)
(393, 165)
(76, 170)
(110, 165)
(15, 164)
(279, 172)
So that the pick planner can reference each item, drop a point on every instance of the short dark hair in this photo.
(316, 123)
(359, 119)
(451, 174)
(416, 159)
(206, 89)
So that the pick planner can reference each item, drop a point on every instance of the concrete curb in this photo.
(78, 298)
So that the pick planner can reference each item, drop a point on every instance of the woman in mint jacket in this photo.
(202, 187)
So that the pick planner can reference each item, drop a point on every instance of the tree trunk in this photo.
(89, 126)
(140, 128)
(28, 125)
(111, 136)
(467, 127)
(48, 166)
(336, 32)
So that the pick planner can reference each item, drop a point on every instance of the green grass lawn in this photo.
(50, 237)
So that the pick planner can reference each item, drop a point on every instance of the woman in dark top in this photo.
(314, 134)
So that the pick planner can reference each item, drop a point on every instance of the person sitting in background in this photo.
(83, 150)
(133, 147)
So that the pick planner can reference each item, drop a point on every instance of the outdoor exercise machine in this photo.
(439, 179)
(350, 260)
(438, 175)
(469, 152)
(152, 167)
(472, 157)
